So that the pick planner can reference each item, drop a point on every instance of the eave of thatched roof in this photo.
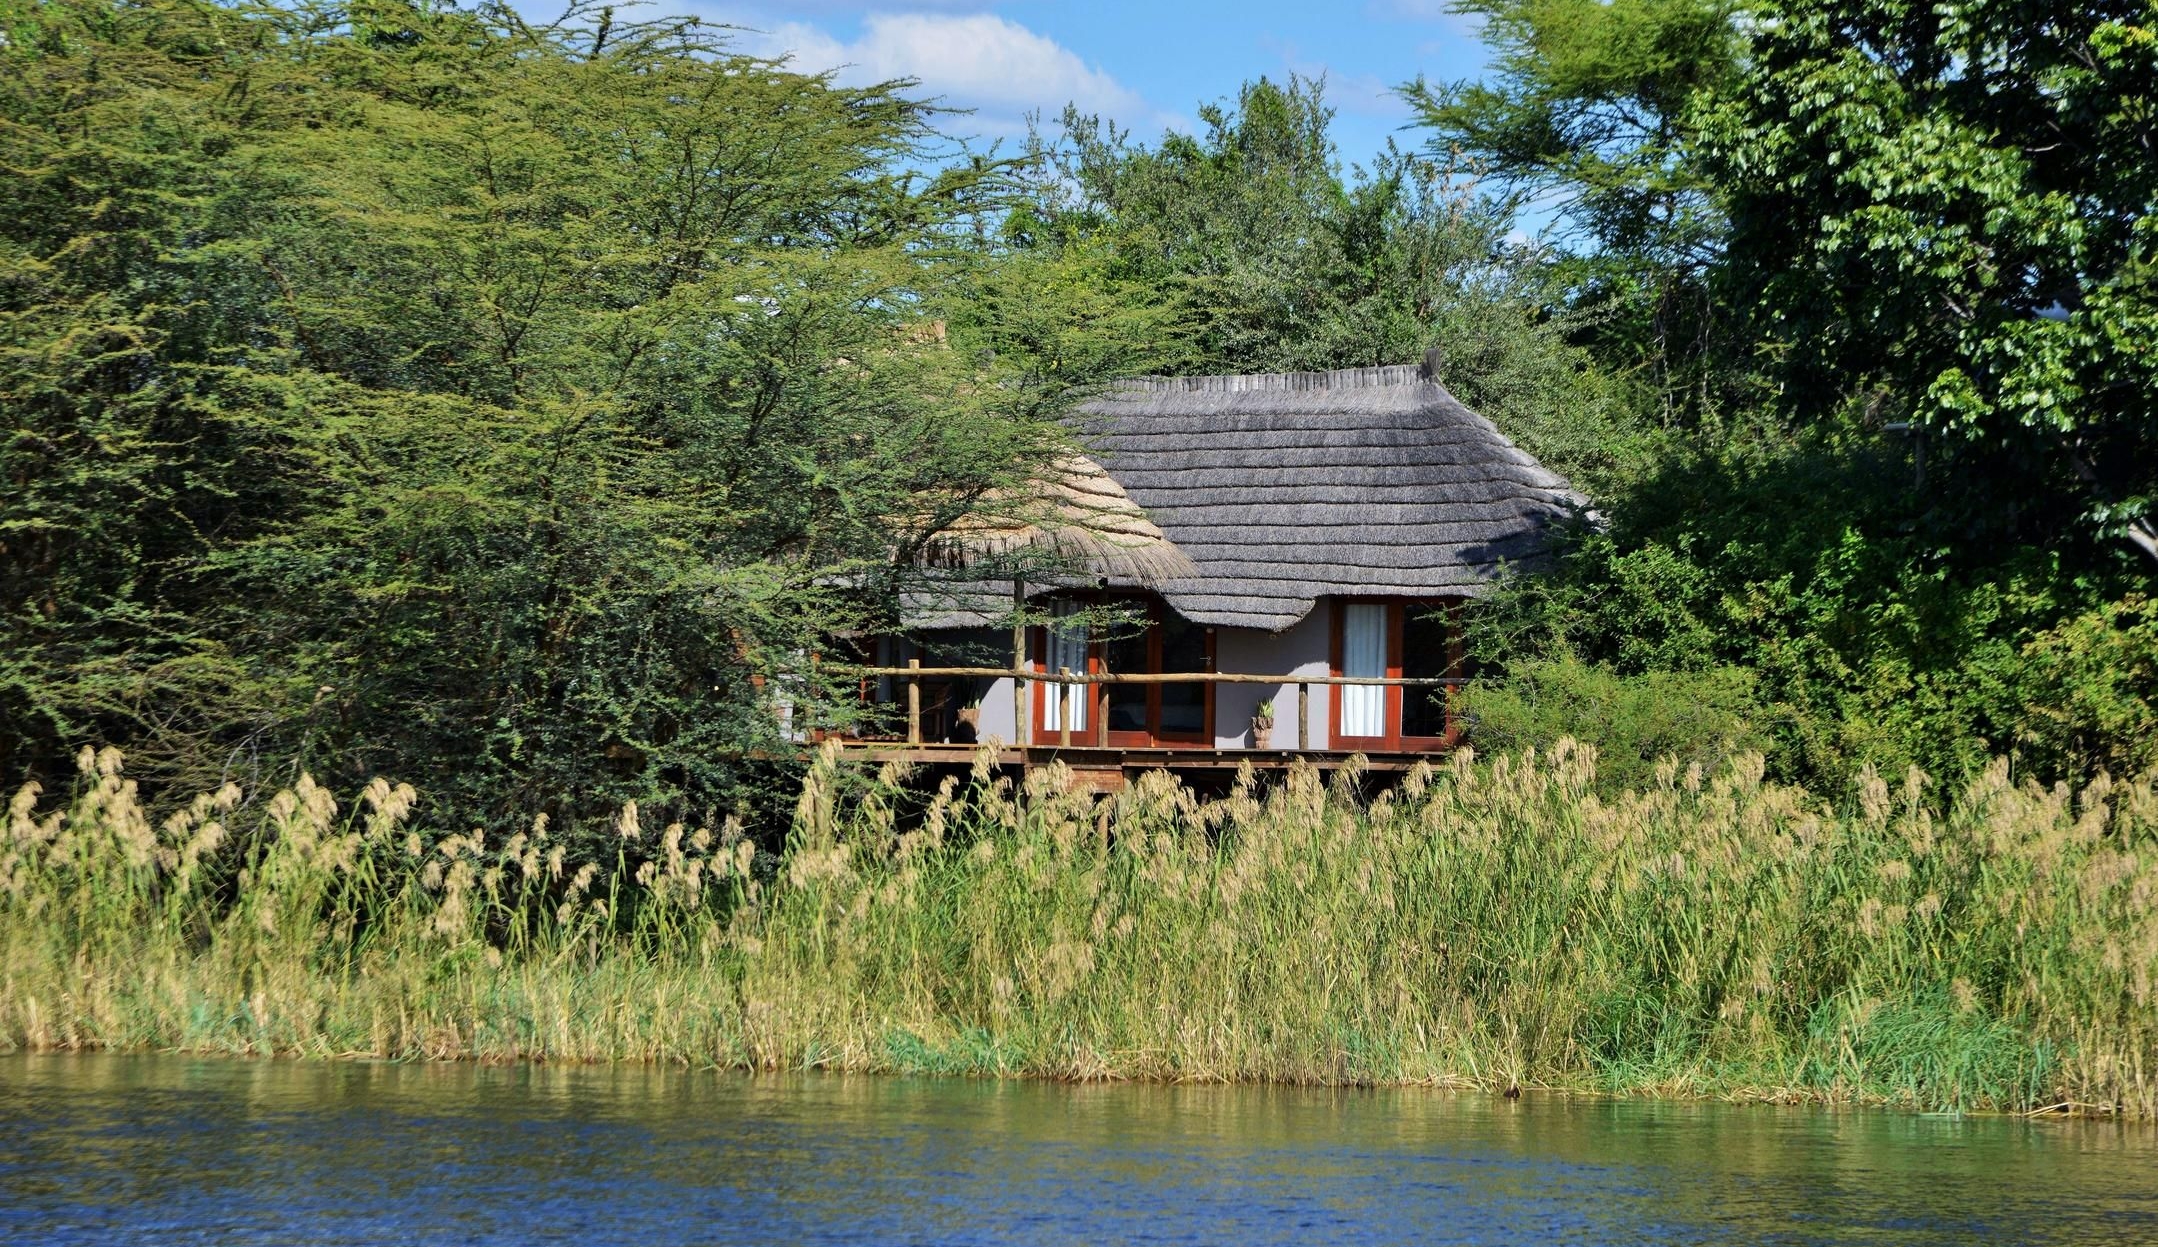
(1285, 487)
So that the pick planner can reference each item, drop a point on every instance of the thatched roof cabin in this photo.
(1243, 500)
(1287, 543)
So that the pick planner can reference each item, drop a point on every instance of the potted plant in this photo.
(1262, 724)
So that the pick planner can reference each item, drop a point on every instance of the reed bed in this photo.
(1493, 924)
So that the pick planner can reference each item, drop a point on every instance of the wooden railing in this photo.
(914, 673)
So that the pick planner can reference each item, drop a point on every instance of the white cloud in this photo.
(811, 49)
(977, 60)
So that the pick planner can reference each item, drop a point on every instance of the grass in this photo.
(1483, 923)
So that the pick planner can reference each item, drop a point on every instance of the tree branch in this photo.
(2140, 534)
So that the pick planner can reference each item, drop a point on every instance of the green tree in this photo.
(1262, 254)
(1887, 217)
(407, 388)
(1942, 213)
(1591, 114)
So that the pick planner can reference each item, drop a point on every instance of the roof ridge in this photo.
(1333, 379)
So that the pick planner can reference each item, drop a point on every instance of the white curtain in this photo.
(1067, 651)
(1363, 654)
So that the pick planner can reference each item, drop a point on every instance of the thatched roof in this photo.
(1284, 487)
(1078, 519)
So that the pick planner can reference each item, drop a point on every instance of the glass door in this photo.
(1181, 709)
(1363, 655)
(1142, 715)
(1127, 649)
(1065, 648)
(1125, 640)
(1427, 652)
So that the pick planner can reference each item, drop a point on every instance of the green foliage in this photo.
(2090, 691)
(416, 388)
(1913, 238)
(1869, 637)
(1943, 211)
(1260, 255)
(408, 388)
(1647, 607)
(1596, 101)
(1696, 718)
(1591, 112)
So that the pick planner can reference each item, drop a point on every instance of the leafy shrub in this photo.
(1698, 717)
(2091, 691)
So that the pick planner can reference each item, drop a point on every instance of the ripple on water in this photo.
(174, 1150)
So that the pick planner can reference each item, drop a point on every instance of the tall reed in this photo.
(1482, 923)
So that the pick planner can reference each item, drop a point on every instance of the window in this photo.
(1363, 655)
(1148, 640)
(1397, 639)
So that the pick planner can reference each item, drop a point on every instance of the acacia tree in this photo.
(1590, 114)
(1943, 211)
(395, 387)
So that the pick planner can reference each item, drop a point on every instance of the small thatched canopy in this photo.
(1079, 520)
(1285, 487)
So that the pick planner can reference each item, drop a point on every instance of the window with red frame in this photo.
(1393, 639)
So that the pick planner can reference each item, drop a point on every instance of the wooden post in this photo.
(1303, 717)
(1064, 707)
(1453, 670)
(1101, 715)
(1019, 661)
(914, 702)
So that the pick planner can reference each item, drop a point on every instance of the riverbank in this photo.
(1488, 924)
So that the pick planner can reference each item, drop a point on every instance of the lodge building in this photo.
(1266, 567)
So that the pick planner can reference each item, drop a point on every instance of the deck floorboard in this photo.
(1095, 757)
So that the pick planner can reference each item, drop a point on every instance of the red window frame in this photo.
(1396, 628)
(1097, 702)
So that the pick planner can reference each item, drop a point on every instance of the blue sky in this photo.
(1148, 65)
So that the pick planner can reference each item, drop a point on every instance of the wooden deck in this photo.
(1110, 769)
(1107, 768)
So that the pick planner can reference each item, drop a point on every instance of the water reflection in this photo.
(101, 1149)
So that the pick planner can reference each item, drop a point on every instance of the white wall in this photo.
(997, 713)
(1302, 650)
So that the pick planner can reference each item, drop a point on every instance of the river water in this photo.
(176, 1150)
